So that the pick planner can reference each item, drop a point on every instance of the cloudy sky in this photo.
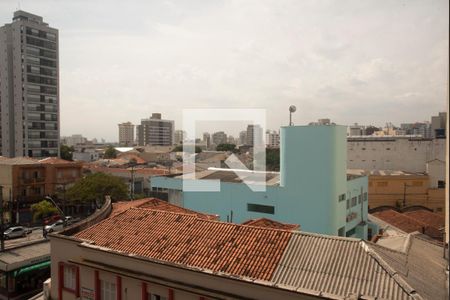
(361, 61)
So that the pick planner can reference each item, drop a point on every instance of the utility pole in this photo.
(2, 228)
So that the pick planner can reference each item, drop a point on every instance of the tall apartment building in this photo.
(126, 134)
(219, 137)
(155, 131)
(272, 139)
(207, 139)
(29, 87)
(254, 135)
(179, 137)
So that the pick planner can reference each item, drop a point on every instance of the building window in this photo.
(348, 203)
(108, 290)
(359, 199)
(155, 297)
(353, 201)
(351, 232)
(341, 197)
(341, 231)
(266, 209)
(365, 196)
(70, 277)
(441, 184)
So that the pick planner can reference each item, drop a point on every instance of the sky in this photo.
(353, 61)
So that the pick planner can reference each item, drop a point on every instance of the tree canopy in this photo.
(66, 152)
(180, 149)
(226, 147)
(43, 209)
(94, 187)
(110, 152)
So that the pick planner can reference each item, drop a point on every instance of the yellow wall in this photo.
(390, 190)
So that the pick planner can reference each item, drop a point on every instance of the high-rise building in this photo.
(126, 134)
(29, 87)
(207, 139)
(272, 139)
(155, 131)
(219, 137)
(242, 137)
(254, 135)
(179, 136)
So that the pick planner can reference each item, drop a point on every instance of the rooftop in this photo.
(268, 223)
(12, 259)
(286, 259)
(383, 173)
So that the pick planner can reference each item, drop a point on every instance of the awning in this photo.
(31, 268)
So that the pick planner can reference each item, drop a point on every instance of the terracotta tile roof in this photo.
(190, 241)
(400, 220)
(268, 223)
(427, 217)
(18, 161)
(128, 156)
(142, 171)
(158, 204)
(154, 203)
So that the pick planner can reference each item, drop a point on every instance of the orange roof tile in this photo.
(399, 220)
(158, 204)
(268, 223)
(56, 160)
(188, 240)
(427, 217)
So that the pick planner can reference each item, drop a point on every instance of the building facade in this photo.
(155, 131)
(311, 190)
(272, 139)
(29, 87)
(219, 137)
(179, 136)
(254, 135)
(126, 134)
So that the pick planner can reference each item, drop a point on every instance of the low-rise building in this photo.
(401, 189)
(27, 181)
(151, 253)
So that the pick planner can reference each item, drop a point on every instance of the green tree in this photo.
(43, 209)
(110, 152)
(226, 147)
(66, 152)
(272, 159)
(94, 188)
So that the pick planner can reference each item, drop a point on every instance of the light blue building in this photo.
(312, 188)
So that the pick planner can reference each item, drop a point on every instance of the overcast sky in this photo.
(361, 61)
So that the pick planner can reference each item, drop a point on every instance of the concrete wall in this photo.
(394, 153)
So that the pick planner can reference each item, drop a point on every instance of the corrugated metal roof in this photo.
(421, 265)
(339, 266)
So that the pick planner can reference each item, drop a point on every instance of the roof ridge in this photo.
(330, 237)
(390, 270)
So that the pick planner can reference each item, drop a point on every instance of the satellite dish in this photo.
(292, 108)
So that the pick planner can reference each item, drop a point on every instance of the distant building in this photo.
(254, 135)
(311, 190)
(179, 137)
(29, 88)
(356, 130)
(231, 140)
(322, 122)
(438, 124)
(242, 137)
(219, 137)
(410, 154)
(207, 139)
(73, 140)
(126, 134)
(272, 139)
(155, 131)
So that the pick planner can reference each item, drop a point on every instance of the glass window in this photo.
(108, 290)
(70, 277)
(266, 209)
(341, 197)
(155, 297)
(353, 201)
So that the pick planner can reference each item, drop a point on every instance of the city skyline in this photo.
(247, 55)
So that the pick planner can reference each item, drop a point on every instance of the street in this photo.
(35, 235)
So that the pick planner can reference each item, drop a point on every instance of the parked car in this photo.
(14, 232)
(57, 226)
(52, 219)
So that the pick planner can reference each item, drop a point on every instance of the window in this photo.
(353, 201)
(365, 196)
(351, 232)
(341, 197)
(266, 209)
(155, 297)
(108, 290)
(359, 199)
(341, 231)
(70, 277)
(441, 184)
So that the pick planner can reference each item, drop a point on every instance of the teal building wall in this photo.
(313, 191)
